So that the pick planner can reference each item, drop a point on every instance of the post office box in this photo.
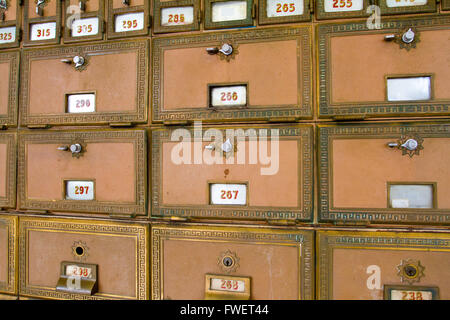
(8, 158)
(400, 69)
(335, 9)
(83, 259)
(229, 13)
(445, 4)
(194, 262)
(393, 173)
(205, 70)
(85, 20)
(371, 265)
(83, 171)
(403, 6)
(128, 18)
(8, 255)
(42, 22)
(222, 172)
(10, 22)
(90, 84)
(284, 11)
(176, 16)
(9, 87)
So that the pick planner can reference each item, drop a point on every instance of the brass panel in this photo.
(158, 5)
(280, 89)
(279, 263)
(94, 9)
(8, 254)
(352, 82)
(322, 14)
(117, 7)
(209, 24)
(264, 19)
(12, 18)
(9, 87)
(121, 251)
(116, 72)
(356, 165)
(180, 187)
(358, 265)
(52, 13)
(8, 163)
(116, 159)
(445, 4)
(430, 6)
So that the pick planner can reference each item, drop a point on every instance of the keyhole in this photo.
(79, 251)
(410, 271)
(227, 262)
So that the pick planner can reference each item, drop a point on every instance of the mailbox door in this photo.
(8, 162)
(227, 14)
(128, 18)
(120, 250)
(284, 11)
(107, 176)
(176, 16)
(10, 22)
(190, 179)
(8, 254)
(445, 5)
(9, 87)
(85, 20)
(42, 22)
(367, 173)
(279, 89)
(404, 7)
(370, 73)
(278, 263)
(365, 265)
(90, 84)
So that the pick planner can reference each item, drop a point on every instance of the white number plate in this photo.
(229, 96)
(235, 194)
(43, 31)
(411, 295)
(81, 103)
(229, 11)
(405, 3)
(85, 27)
(177, 16)
(129, 22)
(409, 89)
(282, 8)
(74, 270)
(343, 5)
(7, 35)
(411, 196)
(227, 285)
(80, 190)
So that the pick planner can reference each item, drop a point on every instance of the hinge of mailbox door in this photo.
(254, 11)
(38, 126)
(120, 124)
(122, 215)
(103, 26)
(356, 117)
(178, 218)
(177, 122)
(37, 211)
(281, 222)
(19, 35)
(20, 2)
(311, 6)
(283, 119)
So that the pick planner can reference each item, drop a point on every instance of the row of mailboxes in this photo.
(378, 173)
(70, 258)
(399, 70)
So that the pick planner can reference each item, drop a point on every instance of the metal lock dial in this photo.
(79, 62)
(226, 49)
(410, 144)
(77, 149)
(40, 7)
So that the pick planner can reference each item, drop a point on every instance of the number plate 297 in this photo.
(79, 190)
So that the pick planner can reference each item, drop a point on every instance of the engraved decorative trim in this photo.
(9, 200)
(301, 34)
(138, 137)
(303, 239)
(139, 116)
(140, 232)
(304, 134)
(10, 223)
(13, 58)
(383, 215)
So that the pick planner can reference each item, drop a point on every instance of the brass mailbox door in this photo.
(284, 11)
(42, 22)
(84, 171)
(335, 9)
(85, 20)
(128, 18)
(445, 4)
(8, 160)
(120, 250)
(229, 13)
(176, 16)
(403, 6)
(279, 264)
(90, 84)
(9, 87)
(225, 172)
(8, 254)
(10, 22)
(363, 265)
(391, 173)
(193, 66)
(400, 69)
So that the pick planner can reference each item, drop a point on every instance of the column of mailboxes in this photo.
(224, 149)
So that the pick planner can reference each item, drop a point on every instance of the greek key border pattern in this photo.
(327, 134)
(139, 231)
(302, 238)
(303, 36)
(10, 223)
(324, 34)
(140, 116)
(306, 135)
(13, 57)
(138, 137)
(9, 201)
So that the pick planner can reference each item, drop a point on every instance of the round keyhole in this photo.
(410, 271)
(227, 262)
(79, 251)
